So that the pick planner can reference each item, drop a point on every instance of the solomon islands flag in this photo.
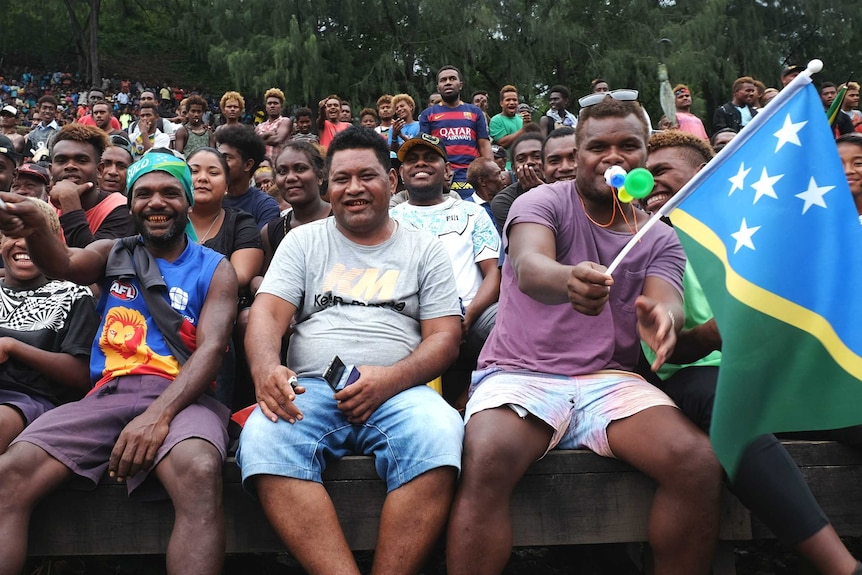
(773, 235)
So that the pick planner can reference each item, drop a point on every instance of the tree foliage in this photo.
(360, 49)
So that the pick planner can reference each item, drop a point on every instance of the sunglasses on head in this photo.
(623, 95)
(121, 142)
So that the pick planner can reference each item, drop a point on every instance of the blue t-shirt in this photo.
(256, 202)
(410, 130)
(128, 340)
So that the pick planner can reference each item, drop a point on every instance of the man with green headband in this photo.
(167, 310)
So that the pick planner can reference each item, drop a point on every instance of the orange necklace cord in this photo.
(617, 205)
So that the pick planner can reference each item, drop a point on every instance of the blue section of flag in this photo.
(780, 203)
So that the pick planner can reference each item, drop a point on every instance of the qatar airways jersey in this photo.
(460, 128)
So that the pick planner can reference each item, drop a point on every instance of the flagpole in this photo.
(799, 82)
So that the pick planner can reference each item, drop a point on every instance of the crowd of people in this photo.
(330, 283)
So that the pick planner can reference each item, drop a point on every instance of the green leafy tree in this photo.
(360, 49)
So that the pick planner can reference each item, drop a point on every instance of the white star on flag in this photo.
(764, 186)
(743, 236)
(783, 287)
(738, 180)
(789, 133)
(813, 196)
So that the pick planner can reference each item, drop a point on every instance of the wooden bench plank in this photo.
(570, 497)
(820, 453)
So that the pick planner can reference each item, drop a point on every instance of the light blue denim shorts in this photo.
(411, 433)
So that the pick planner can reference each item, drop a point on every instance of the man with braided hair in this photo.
(149, 413)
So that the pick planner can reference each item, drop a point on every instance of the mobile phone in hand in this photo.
(335, 373)
(352, 376)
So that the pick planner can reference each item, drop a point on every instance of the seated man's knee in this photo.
(199, 469)
(13, 475)
(692, 461)
(21, 481)
(490, 454)
(205, 467)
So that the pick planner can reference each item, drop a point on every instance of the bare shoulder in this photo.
(224, 277)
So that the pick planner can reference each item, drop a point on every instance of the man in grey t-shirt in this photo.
(382, 297)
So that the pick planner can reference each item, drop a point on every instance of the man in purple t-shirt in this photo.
(563, 379)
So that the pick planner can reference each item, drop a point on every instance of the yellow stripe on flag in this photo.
(767, 302)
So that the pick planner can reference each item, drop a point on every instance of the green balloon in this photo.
(639, 183)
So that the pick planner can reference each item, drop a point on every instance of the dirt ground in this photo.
(757, 558)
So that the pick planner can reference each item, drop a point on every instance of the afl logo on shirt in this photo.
(123, 290)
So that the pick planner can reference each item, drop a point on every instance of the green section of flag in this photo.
(774, 377)
(833, 110)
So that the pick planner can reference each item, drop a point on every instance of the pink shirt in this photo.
(691, 124)
(271, 126)
(89, 121)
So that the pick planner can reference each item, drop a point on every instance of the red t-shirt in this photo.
(89, 121)
(330, 130)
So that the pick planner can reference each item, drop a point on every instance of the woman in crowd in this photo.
(230, 232)
(298, 180)
(404, 126)
(47, 328)
(225, 230)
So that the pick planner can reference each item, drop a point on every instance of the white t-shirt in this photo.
(159, 139)
(467, 233)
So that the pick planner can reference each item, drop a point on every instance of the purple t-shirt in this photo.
(556, 339)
